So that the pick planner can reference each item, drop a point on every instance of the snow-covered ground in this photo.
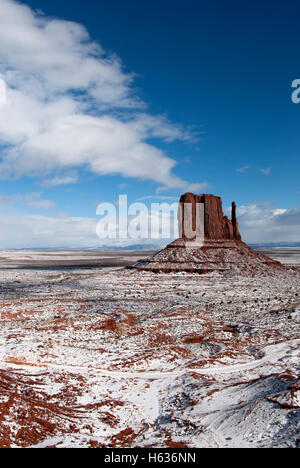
(111, 357)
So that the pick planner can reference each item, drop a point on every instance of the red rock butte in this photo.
(209, 241)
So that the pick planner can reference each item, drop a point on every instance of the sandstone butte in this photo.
(219, 249)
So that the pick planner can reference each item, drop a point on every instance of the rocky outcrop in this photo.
(216, 225)
(220, 248)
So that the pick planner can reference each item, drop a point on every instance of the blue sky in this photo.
(197, 93)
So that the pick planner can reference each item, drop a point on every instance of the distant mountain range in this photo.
(141, 247)
(274, 245)
(156, 247)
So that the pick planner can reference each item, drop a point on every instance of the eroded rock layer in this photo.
(215, 255)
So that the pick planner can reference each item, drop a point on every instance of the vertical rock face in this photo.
(216, 225)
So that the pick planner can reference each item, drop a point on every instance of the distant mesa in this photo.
(209, 241)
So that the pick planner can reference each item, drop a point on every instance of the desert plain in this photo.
(93, 354)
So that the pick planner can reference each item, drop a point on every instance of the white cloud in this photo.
(265, 171)
(61, 90)
(187, 187)
(158, 197)
(31, 231)
(258, 223)
(42, 231)
(243, 169)
(60, 180)
(197, 187)
(261, 223)
(279, 211)
(46, 56)
(32, 199)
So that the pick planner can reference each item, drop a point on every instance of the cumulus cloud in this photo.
(47, 56)
(32, 231)
(258, 223)
(38, 232)
(70, 105)
(261, 223)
